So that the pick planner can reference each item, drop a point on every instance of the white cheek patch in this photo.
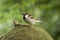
(26, 16)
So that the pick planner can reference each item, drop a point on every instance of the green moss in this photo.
(26, 32)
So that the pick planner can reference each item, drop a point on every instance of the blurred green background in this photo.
(45, 10)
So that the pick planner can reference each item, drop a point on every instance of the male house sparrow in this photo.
(30, 19)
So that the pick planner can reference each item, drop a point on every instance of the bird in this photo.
(28, 18)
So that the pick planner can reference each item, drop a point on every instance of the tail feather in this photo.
(38, 21)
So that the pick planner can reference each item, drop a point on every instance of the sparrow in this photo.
(30, 19)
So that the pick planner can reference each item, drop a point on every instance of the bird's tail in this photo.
(39, 21)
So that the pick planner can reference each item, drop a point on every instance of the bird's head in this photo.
(25, 14)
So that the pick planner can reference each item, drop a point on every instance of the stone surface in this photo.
(26, 32)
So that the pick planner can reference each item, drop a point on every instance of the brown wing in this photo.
(31, 17)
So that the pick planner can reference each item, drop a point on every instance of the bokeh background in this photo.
(45, 10)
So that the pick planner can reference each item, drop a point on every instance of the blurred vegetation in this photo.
(45, 10)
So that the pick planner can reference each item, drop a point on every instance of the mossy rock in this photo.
(26, 32)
